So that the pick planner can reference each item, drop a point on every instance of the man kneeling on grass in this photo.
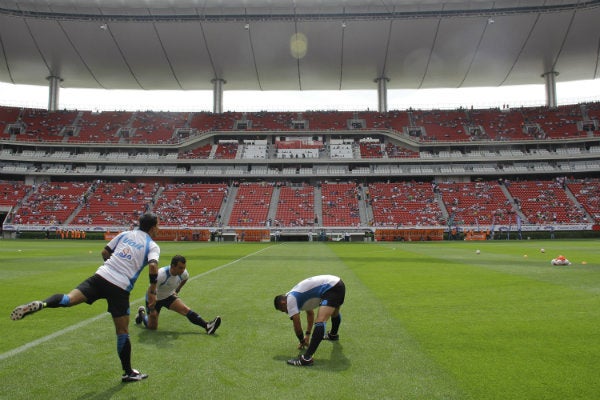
(324, 291)
(169, 282)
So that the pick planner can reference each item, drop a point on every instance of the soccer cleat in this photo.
(133, 376)
(330, 336)
(212, 326)
(300, 361)
(140, 315)
(26, 309)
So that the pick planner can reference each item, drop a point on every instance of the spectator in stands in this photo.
(171, 279)
(327, 292)
(124, 258)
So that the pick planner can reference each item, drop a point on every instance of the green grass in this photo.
(421, 321)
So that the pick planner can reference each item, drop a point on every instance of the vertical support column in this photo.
(53, 89)
(550, 85)
(218, 94)
(382, 93)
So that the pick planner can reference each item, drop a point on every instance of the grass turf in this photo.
(421, 321)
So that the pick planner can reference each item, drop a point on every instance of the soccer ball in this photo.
(542, 250)
(477, 251)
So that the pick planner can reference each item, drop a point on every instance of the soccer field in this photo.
(430, 320)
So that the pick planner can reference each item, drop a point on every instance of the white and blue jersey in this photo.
(131, 251)
(307, 294)
(167, 283)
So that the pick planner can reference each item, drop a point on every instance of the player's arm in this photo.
(180, 286)
(106, 253)
(153, 276)
(310, 320)
(298, 327)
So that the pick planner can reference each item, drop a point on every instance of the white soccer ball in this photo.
(542, 250)
(477, 251)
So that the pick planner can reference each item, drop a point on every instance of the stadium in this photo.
(457, 186)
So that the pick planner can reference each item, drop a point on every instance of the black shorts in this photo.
(163, 303)
(334, 297)
(96, 287)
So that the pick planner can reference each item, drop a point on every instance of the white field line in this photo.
(88, 321)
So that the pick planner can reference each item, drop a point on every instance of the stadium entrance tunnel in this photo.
(321, 236)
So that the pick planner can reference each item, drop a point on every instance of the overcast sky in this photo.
(107, 100)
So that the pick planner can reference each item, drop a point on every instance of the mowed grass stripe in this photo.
(503, 334)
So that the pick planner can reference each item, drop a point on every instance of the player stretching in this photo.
(125, 256)
(324, 291)
(169, 282)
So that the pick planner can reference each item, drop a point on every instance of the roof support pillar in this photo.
(218, 94)
(550, 85)
(53, 89)
(382, 93)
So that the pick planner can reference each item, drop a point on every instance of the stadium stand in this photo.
(251, 206)
(404, 204)
(340, 204)
(50, 203)
(191, 205)
(302, 171)
(295, 206)
(476, 203)
(100, 127)
(545, 202)
(115, 204)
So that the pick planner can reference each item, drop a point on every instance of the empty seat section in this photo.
(51, 203)
(404, 204)
(587, 193)
(545, 202)
(295, 206)
(475, 203)
(156, 127)
(191, 204)
(251, 204)
(101, 127)
(340, 204)
(116, 204)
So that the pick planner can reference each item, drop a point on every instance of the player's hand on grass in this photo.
(304, 343)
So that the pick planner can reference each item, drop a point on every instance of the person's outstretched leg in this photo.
(56, 300)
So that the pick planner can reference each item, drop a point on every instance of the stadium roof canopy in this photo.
(297, 45)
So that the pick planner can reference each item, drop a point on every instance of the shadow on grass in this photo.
(165, 338)
(337, 360)
(105, 395)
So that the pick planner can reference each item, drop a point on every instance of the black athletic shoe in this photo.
(329, 336)
(140, 315)
(26, 309)
(300, 362)
(212, 326)
(134, 376)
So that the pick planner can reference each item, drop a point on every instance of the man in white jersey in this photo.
(327, 292)
(169, 282)
(125, 256)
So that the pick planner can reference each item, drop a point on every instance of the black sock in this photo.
(335, 324)
(124, 350)
(56, 300)
(196, 319)
(315, 339)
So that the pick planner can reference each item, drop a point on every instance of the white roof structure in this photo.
(297, 44)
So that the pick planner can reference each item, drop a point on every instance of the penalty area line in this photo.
(88, 321)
